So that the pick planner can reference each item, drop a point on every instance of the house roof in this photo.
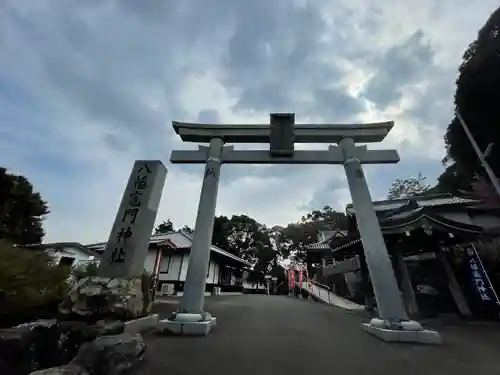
(62, 246)
(408, 221)
(446, 199)
(180, 239)
(405, 218)
(325, 244)
(186, 240)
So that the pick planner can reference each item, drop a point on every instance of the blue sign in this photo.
(479, 278)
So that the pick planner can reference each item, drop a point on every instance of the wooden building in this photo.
(168, 258)
(432, 243)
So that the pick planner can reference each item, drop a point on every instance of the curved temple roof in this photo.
(404, 215)
(414, 220)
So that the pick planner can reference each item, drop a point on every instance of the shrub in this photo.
(30, 280)
(85, 270)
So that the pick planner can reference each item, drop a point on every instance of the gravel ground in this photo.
(259, 334)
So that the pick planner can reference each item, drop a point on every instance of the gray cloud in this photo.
(401, 65)
(209, 116)
(99, 82)
(276, 60)
(435, 106)
(335, 103)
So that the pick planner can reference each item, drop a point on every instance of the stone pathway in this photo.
(260, 334)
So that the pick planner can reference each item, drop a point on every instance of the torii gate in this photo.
(282, 134)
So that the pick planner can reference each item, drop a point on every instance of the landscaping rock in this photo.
(109, 327)
(62, 370)
(17, 351)
(48, 343)
(72, 335)
(45, 337)
(53, 343)
(94, 298)
(111, 355)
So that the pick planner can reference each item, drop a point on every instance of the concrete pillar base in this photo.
(404, 331)
(188, 324)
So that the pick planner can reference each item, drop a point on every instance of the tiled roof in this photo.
(416, 219)
(436, 200)
(216, 249)
(62, 246)
(347, 244)
(180, 239)
(325, 244)
(318, 246)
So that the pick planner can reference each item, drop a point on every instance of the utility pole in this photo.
(482, 156)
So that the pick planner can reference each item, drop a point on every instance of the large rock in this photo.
(109, 327)
(48, 343)
(94, 298)
(111, 355)
(72, 335)
(17, 351)
(44, 343)
(62, 370)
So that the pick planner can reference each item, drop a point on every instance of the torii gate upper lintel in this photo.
(281, 134)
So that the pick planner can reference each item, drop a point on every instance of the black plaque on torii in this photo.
(281, 137)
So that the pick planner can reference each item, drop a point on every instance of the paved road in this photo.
(258, 334)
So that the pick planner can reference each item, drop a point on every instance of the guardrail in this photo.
(321, 291)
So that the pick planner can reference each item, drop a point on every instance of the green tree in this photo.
(327, 218)
(30, 281)
(454, 179)
(164, 227)
(85, 270)
(246, 238)
(291, 240)
(484, 192)
(221, 232)
(476, 98)
(22, 210)
(410, 187)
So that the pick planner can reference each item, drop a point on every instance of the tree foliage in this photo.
(85, 270)
(476, 98)
(292, 240)
(410, 187)
(483, 191)
(22, 210)
(246, 238)
(29, 279)
(327, 218)
(164, 227)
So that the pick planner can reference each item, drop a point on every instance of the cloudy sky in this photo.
(87, 87)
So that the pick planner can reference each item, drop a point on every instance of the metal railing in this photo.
(318, 290)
